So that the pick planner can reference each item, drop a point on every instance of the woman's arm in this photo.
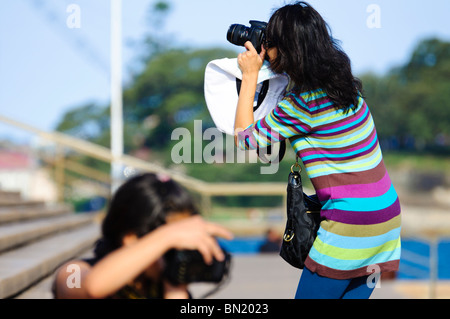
(123, 265)
(250, 62)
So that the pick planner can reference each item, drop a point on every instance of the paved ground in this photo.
(270, 277)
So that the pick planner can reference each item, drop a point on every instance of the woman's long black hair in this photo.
(139, 206)
(310, 55)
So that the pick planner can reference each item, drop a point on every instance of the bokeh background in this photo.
(55, 114)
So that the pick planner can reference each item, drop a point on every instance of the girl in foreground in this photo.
(148, 215)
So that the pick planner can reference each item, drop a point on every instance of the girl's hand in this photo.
(194, 233)
(250, 62)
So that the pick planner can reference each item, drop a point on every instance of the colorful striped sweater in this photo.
(360, 231)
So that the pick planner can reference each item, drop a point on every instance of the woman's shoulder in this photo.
(307, 95)
(75, 264)
(68, 276)
(317, 100)
(309, 100)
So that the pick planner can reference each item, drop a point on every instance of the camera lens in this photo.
(238, 34)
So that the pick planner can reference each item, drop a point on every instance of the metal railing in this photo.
(61, 163)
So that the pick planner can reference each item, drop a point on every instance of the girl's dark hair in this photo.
(139, 206)
(310, 55)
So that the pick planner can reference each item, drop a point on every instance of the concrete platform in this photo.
(268, 276)
(21, 267)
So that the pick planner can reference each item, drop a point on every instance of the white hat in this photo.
(222, 84)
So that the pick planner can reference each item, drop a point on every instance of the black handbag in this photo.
(303, 221)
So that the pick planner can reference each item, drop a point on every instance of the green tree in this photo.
(411, 104)
(169, 94)
(165, 92)
(88, 122)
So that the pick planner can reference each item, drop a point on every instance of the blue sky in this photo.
(47, 68)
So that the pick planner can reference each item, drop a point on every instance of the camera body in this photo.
(238, 34)
(188, 266)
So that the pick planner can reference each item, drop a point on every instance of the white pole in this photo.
(116, 93)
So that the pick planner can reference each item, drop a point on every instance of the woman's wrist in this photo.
(244, 112)
(251, 77)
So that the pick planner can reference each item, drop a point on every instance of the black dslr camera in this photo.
(238, 34)
(188, 266)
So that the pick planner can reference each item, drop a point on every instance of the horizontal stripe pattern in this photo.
(361, 210)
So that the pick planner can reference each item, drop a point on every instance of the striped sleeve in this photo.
(291, 117)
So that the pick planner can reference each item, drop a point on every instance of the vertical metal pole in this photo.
(206, 205)
(434, 276)
(60, 172)
(116, 94)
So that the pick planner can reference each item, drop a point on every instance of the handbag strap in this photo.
(297, 165)
(291, 189)
(312, 202)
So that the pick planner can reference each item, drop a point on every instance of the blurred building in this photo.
(20, 171)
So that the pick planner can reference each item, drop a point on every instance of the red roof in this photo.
(14, 160)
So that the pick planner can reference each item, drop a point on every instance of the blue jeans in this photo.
(314, 286)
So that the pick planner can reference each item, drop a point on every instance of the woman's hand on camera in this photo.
(250, 62)
(194, 233)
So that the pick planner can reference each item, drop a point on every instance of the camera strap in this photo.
(220, 285)
(261, 94)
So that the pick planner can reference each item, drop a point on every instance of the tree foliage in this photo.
(168, 94)
(410, 104)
